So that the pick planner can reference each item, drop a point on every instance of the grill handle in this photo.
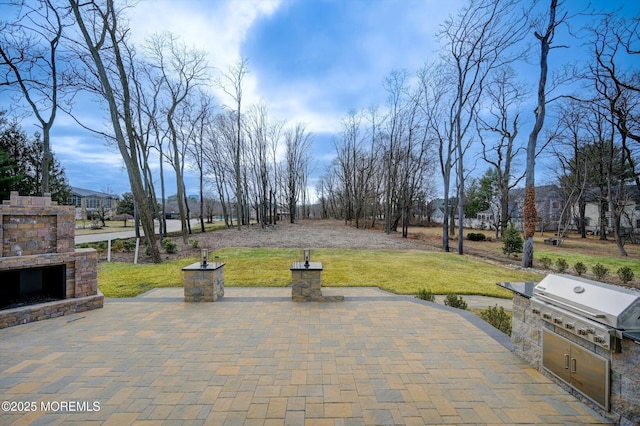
(566, 361)
(570, 307)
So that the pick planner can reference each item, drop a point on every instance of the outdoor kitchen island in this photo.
(584, 335)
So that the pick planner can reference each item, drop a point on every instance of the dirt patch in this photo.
(305, 234)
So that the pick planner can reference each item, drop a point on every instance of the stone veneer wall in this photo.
(36, 232)
(624, 398)
(306, 284)
(203, 284)
(36, 225)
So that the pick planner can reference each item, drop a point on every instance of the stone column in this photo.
(203, 284)
(306, 283)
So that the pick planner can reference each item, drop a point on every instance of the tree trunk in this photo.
(531, 214)
(124, 140)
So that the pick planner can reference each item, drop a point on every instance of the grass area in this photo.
(590, 250)
(127, 280)
(572, 257)
(402, 272)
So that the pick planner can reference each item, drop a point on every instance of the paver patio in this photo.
(257, 358)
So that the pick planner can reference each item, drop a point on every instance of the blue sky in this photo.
(310, 61)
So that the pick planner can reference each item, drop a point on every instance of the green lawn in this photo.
(567, 253)
(402, 272)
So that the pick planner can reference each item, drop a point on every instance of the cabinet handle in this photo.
(566, 361)
(573, 365)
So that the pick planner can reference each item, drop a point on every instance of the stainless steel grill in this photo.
(596, 314)
(616, 307)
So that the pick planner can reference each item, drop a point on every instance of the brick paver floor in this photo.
(256, 358)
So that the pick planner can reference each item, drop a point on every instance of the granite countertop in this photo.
(300, 266)
(633, 335)
(211, 266)
(522, 288)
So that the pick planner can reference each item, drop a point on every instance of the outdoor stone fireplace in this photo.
(42, 274)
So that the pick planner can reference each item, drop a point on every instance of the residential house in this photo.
(629, 199)
(549, 204)
(90, 204)
(437, 210)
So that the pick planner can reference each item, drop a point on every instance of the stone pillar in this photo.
(306, 284)
(203, 284)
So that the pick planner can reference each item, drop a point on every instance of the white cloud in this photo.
(76, 149)
(218, 28)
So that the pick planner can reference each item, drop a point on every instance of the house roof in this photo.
(81, 192)
(631, 192)
(542, 191)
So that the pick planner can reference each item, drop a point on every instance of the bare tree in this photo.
(432, 77)
(396, 87)
(480, 39)
(30, 52)
(148, 88)
(259, 134)
(105, 41)
(614, 40)
(231, 83)
(182, 70)
(201, 120)
(275, 134)
(530, 214)
(297, 143)
(504, 96)
(569, 147)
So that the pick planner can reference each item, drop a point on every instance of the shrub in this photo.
(497, 317)
(169, 245)
(546, 262)
(425, 294)
(580, 268)
(117, 245)
(512, 241)
(479, 236)
(625, 274)
(599, 271)
(129, 245)
(561, 265)
(455, 301)
(194, 243)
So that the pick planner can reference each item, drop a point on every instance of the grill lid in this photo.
(616, 307)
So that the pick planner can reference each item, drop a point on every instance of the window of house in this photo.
(74, 200)
(93, 202)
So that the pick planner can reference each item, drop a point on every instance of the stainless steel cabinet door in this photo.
(556, 355)
(590, 374)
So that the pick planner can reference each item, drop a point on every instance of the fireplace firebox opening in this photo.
(29, 286)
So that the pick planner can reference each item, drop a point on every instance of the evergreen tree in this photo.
(22, 170)
(126, 205)
(512, 242)
(480, 193)
(7, 177)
